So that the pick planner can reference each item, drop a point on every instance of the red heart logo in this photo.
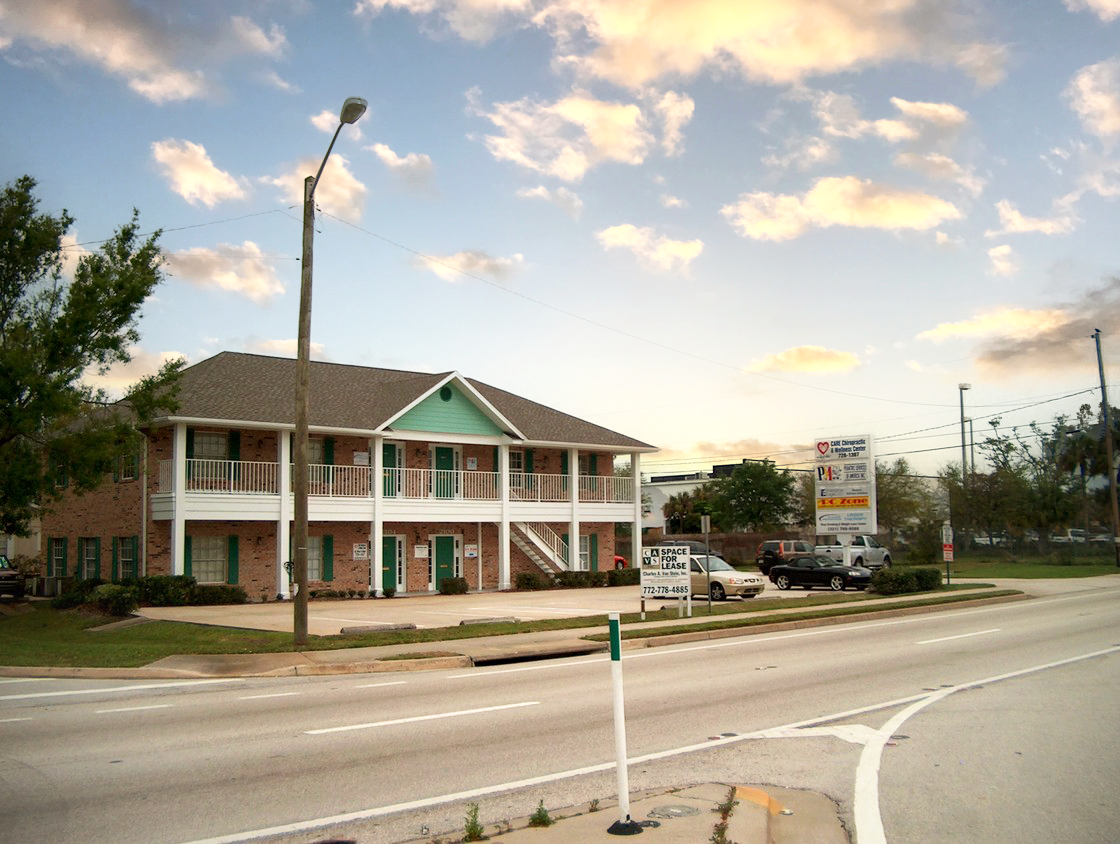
(822, 448)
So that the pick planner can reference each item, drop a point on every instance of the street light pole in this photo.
(352, 109)
(1108, 450)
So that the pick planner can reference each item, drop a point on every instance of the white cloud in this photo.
(192, 174)
(675, 111)
(839, 116)
(1013, 222)
(122, 376)
(471, 20)
(415, 169)
(273, 79)
(327, 121)
(566, 138)
(669, 201)
(473, 262)
(938, 166)
(944, 240)
(1003, 261)
(71, 253)
(147, 48)
(1108, 10)
(338, 193)
(239, 269)
(1094, 94)
(1015, 323)
(566, 200)
(802, 153)
(813, 359)
(658, 253)
(940, 114)
(836, 201)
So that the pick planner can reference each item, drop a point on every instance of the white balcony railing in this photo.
(259, 478)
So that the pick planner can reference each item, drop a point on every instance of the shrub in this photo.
(453, 586)
(573, 579)
(208, 594)
(598, 578)
(77, 594)
(898, 580)
(164, 590)
(116, 599)
(531, 581)
(624, 577)
(540, 816)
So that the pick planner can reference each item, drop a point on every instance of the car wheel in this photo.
(717, 592)
(886, 562)
(782, 582)
(858, 561)
(837, 583)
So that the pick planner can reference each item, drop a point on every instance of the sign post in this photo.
(947, 549)
(624, 825)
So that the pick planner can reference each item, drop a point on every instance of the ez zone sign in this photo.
(665, 572)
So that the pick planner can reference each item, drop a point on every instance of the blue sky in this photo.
(724, 227)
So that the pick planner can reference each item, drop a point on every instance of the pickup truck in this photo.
(865, 552)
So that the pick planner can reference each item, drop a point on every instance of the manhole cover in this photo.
(675, 811)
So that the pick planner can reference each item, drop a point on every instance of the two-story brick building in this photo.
(414, 477)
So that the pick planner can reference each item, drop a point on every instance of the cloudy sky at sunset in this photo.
(725, 227)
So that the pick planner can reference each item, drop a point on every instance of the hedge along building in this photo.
(413, 478)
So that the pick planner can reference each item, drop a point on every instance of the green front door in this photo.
(443, 547)
(390, 562)
(390, 457)
(443, 476)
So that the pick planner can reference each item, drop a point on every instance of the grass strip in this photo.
(754, 621)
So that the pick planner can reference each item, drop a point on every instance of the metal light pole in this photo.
(352, 109)
(1108, 450)
(964, 455)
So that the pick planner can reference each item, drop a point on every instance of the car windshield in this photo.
(825, 561)
(714, 564)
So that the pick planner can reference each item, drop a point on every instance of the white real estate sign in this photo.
(845, 486)
(665, 572)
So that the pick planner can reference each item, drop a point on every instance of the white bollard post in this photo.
(623, 826)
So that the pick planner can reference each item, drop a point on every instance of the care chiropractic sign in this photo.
(845, 485)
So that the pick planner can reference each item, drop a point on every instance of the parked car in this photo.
(779, 550)
(620, 561)
(808, 572)
(11, 579)
(1073, 536)
(864, 551)
(725, 580)
(694, 547)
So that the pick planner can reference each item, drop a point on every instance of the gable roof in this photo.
(239, 387)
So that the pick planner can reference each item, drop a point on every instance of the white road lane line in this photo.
(24, 680)
(961, 636)
(133, 708)
(484, 791)
(420, 718)
(13, 720)
(274, 694)
(136, 688)
(379, 685)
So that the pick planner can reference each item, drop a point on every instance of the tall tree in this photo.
(56, 430)
(756, 496)
(900, 496)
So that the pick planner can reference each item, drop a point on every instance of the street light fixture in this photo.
(352, 110)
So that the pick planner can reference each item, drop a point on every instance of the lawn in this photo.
(41, 636)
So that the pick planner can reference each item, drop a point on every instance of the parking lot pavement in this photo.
(329, 617)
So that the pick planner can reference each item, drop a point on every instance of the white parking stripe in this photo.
(961, 636)
(134, 708)
(421, 718)
(13, 720)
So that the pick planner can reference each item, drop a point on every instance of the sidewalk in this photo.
(464, 653)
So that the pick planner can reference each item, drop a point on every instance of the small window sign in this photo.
(361, 550)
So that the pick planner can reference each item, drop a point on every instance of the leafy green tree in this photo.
(754, 497)
(55, 430)
(683, 511)
(901, 497)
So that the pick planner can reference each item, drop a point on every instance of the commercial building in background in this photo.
(414, 478)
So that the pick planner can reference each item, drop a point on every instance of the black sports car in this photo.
(808, 572)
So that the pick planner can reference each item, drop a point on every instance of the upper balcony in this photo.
(245, 477)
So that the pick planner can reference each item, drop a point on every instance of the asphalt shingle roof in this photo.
(238, 387)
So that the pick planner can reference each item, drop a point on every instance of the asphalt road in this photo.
(982, 725)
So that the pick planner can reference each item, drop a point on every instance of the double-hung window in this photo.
(314, 558)
(211, 445)
(209, 558)
(89, 558)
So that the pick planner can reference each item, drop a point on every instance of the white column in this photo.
(574, 562)
(636, 532)
(503, 526)
(284, 520)
(377, 535)
(179, 499)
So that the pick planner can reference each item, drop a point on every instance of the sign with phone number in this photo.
(665, 572)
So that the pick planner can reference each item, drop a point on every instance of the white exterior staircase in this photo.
(542, 545)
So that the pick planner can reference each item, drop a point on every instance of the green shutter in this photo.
(65, 556)
(231, 562)
(97, 557)
(233, 445)
(564, 462)
(497, 459)
(134, 572)
(187, 556)
(568, 545)
(593, 464)
(328, 450)
(593, 550)
(116, 561)
(328, 558)
(190, 443)
(528, 461)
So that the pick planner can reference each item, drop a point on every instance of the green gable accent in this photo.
(447, 411)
